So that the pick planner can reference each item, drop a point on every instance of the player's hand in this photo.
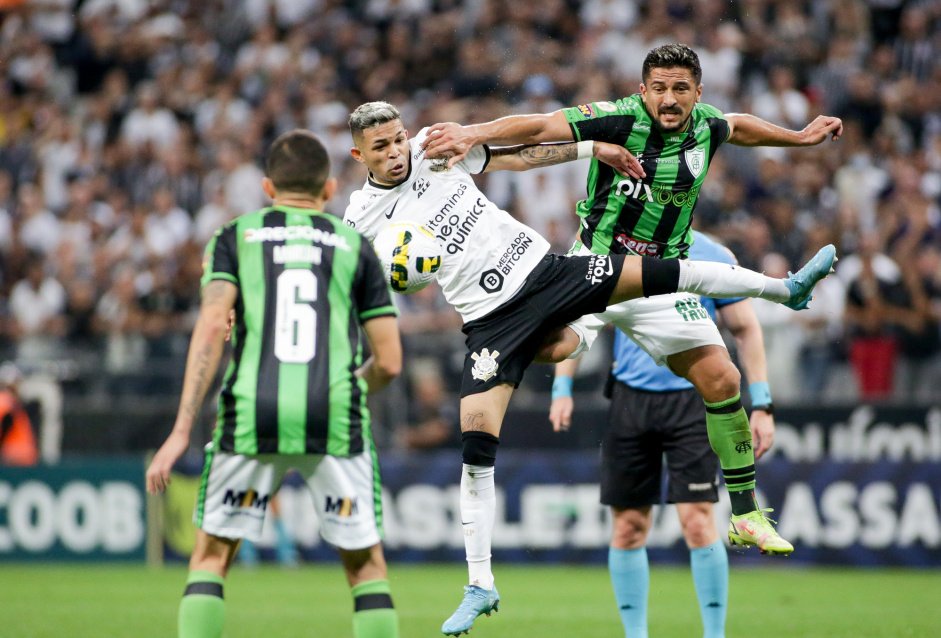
(822, 127)
(560, 414)
(762, 432)
(158, 474)
(619, 158)
(448, 140)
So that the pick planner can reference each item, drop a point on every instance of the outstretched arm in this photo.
(202, 362)
(526, 157)
(749, 130)
(450, 139)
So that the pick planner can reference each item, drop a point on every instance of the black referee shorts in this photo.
(642, 428)
(502, 344)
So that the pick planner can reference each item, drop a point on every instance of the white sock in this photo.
(478, 504)
(712, 279)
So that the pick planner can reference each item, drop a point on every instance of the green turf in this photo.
(105, 601)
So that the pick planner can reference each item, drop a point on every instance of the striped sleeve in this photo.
(602, 121)
(718, 125)
(220, 260)
(370, 290)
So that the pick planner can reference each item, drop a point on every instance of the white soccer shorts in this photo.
(662, 325)
(235, 490)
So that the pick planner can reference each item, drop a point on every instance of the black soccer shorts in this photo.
(559, 290)
(642, 427)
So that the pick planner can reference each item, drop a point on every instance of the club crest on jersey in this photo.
(696, 160)
(485, 364)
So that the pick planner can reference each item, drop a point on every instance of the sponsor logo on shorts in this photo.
(743, 446)
(640, 246)
(485, 364)
(491, 280)
(247, 498)
(600, 267)
(586, 110)
(691, 309)
(699, 487)
(341, 506)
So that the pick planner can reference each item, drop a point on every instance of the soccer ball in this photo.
(409, 254)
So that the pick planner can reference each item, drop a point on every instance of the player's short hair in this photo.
(372, 114)
(297, 162)
(672, 55)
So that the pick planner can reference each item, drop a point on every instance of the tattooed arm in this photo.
(202, 362)
(526, 157)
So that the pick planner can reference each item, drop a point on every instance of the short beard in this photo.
(679, 127)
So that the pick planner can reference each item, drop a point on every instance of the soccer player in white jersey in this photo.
(516, 299)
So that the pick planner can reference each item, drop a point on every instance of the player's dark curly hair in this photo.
(672, 55)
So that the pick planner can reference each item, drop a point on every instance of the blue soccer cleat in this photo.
(476, 601)
(801, 283)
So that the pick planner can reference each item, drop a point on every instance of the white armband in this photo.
(585, 149)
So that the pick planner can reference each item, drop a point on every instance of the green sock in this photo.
(202, 608)
(373, 614)
(730, 437)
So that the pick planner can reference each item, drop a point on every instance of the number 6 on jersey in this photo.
(295, 319)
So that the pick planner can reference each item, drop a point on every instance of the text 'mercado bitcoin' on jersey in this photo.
(650, 216)
(485, 253)
(306, 282)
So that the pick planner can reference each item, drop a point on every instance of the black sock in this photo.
(659, 276)
(743, 502)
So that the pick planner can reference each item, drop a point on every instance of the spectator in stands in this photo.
(37, 313)
(874, 287)
(17, 441)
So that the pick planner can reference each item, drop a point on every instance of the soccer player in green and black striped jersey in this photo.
(648, 211)
(306, 293)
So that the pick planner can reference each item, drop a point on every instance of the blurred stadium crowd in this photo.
(131, 129)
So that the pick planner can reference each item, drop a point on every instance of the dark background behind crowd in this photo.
(131, 129)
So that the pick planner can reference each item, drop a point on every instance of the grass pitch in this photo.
(102, 601)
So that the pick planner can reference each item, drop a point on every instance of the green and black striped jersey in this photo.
(650, 216)
(306, 282)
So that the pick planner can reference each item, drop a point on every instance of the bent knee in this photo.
(723, 382)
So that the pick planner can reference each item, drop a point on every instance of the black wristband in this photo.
(768, 407)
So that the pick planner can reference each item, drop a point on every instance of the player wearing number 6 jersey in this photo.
(304, 288)
(515, 298)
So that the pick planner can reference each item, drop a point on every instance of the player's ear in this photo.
(357, 155)
(268, 186)
(329, 188)
(699, 92)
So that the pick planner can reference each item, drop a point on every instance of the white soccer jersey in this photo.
(486, 254)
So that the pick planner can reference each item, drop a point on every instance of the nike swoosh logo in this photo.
(610, 267)
(390, 213)
(467, 523)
